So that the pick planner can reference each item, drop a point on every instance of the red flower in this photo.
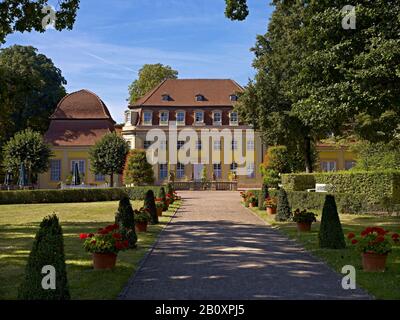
(83, 236)
(103, 231)
(351, 235)
(126, 244)
(354, 241)
(380, 239)
(119, 245)
(90, 235)
(395, 236)
(117, 236)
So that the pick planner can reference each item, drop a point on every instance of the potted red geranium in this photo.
(304, 219)
(159, 206)
(271, 205)
(142, 218)
(104, 246)
(374, 244)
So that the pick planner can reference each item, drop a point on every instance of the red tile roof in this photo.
(182, 93)
(82, 104)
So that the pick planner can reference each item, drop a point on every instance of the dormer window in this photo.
(164, 117)
(233, 97)
(128, 117)
(165, 97)
(199, 97)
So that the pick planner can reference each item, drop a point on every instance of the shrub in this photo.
(137, 170)
(150, 205)
(271, 177)
(298, 181)
(125, 219)
(304, 216)
(170, 193)
(107, 240)
(262, 196)
(142, 215)
(331, 233)
(47, 249)
(283, 212)
(162, 196)
(277, 158)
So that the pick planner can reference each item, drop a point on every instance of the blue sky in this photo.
(111, 40)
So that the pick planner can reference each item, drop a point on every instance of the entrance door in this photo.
(197, 169)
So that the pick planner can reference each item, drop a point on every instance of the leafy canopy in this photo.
(149, 76)
(137, 170)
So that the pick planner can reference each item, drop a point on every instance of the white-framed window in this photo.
(180, 170)
(164, 117)
(81, 166)
(180, 118)
(250, 170)
(349, 164)
(55, 170)
(233, 118)
(250, 145)
(99, 177)
(328, 166)
(147, 144)
(233, 167)
(217, 118)
(180, 144)
(217, 170)
(199, 117)
(234, 144)
(217, 145)
(163, 171)
(148, 118)
(198, 145)
(128, 117)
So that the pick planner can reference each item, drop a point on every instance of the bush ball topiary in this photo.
(150, 204)
(283, 212)
(330, 232)
(125, 218)
(47, 250)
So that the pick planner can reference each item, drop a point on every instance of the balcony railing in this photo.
(208, 185)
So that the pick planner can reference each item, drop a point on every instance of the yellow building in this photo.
(79, 121)
(335, 158)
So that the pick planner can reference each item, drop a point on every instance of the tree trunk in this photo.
(112, 180)
(307, 155)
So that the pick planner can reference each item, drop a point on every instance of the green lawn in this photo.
(19, 223)
(382, 285)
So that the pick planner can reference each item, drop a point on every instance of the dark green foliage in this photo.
(298, 181)
(330, 232)
(236, 9)
(377, 156)
(170, 191)
(47, 249)
(283, 212)
(71, 195)
(150, 204)
(124, 217)
(137, 170)
(27, 15)
(264, 194)
(161, 195)
(108, 155)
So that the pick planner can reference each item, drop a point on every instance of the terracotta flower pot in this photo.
(252, 205)
(304, 226)
(159, 211)
(271, 210)
(374, 262)
(102, 261)
(141, 226)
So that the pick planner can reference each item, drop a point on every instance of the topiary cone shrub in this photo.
(162, 196)
(263, 195)
(283, 212)
(330, 232)
(125, 218)
(47, 250)
(150, 204)
(170, 192)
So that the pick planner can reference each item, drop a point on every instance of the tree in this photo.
(124, 217)
(263, 195)
(150, 204)
(236, 9)
(330, 232)
(47, 250)
(30, 89)
(28, 148)
(283, 212)
(108, 155)
(149, 76)
(137, 170)
(27, 15)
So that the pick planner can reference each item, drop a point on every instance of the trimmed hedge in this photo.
(298, 181)
(73, 195)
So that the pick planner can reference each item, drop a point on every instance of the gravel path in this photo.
(214, 248)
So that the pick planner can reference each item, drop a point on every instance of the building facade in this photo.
(191, 108)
